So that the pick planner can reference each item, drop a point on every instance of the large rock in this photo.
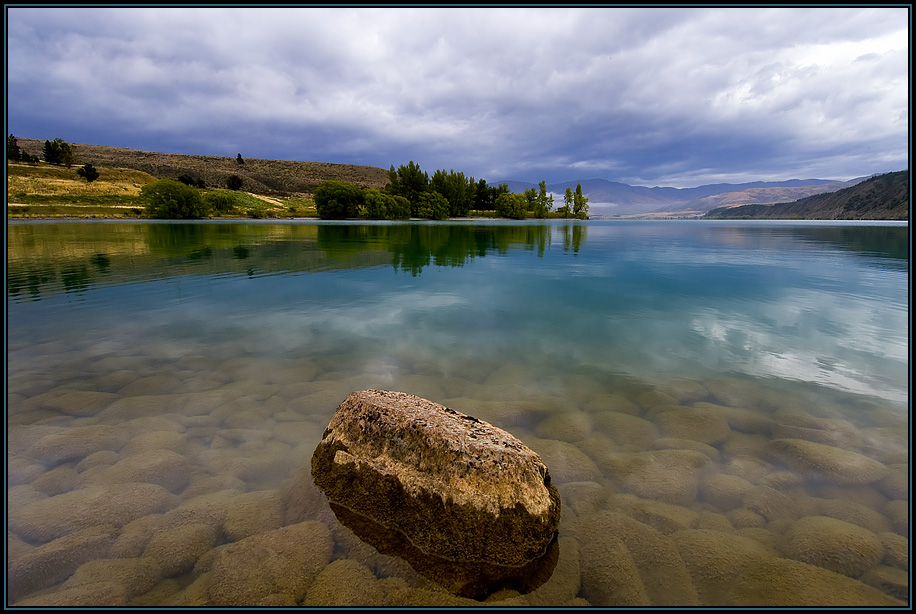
(452, 488)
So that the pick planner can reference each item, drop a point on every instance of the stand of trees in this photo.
(444, 195)
(58, 151)
(13, 152)
(54, 152)
(410, 192)
(575, 204)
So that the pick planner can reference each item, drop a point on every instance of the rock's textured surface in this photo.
(714, 559)
(55, 561)
(136, 575)
(115, 504)
(671, 476)
(654, 574)
(456, 487)
(283, 562)
(76, 443)
(828, 463)
(781, 583)
(839, 546)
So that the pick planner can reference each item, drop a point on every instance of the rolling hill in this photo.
(883, 197)
(267, 177)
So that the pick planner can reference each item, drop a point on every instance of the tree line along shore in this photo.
(58, 179)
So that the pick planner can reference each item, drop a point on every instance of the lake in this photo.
(723, 406)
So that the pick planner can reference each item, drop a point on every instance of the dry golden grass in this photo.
(259, 176)
(27, 179)
(270, 188)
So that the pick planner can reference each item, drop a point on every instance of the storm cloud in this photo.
(646, 96)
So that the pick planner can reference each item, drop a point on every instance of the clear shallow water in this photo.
(240, 339)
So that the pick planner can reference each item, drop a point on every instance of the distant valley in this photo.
(608, 199)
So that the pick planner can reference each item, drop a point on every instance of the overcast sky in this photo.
(646, 96)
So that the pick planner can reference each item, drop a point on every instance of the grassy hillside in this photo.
(266, 177)
(884, 197)
(767, 196)
(270, 188)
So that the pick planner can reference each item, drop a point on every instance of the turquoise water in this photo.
(579, 338)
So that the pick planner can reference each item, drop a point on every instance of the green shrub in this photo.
(513, 206)
(220, 202)
(382, 206)
(376, 203)
(188, 179)
(169, 199)
(399, 208)
(234, 182)
(88, 172)
(432, 205)
(338, 200)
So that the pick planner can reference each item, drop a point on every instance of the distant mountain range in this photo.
(882, 197)
(613, 199)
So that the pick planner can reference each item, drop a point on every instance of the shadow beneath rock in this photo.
(472, 579)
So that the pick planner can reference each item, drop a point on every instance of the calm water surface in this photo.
(723, 405)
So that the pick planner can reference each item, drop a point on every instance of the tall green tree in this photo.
(58, 151)
(531, 197)
(498, 191)
(543, 202)
(483, 196)
(50, 153)
(408, 181)
(13, 153)
(580, 203)
(566, 209)
(458, 190)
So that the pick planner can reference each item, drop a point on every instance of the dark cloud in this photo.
(649, 96)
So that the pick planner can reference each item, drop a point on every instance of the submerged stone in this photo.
(827, 463)
(466, 503)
